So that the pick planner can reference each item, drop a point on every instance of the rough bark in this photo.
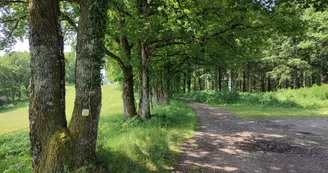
(144, 106)
(128, 94)
(47, 87)
(128, 81)
(89, 52)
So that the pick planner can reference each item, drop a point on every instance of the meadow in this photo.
(141, 146)
(299, 103)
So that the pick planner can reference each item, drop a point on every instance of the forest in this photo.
(159, 59)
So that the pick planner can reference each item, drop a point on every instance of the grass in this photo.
(253, 112)
(131, 146)
(15, 118)
(300, 103)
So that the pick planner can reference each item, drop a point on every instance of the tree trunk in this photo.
(144, 107)
(89, 54)
(295, 79)
(47, 87)
(128, 81)
(195, 81)
(189, 82)
(128, 94)
(269, 84)
(244, 82)
(220, 79)
(263, 82)
(216, 71)
(184, 82)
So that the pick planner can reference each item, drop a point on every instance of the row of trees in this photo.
(290, 60)
(154, 48)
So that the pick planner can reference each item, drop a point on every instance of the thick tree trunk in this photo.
(47, 87)
(128, 94)
(144, 106)
(89, 52)
(128, 81)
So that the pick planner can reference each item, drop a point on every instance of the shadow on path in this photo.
(227, 143)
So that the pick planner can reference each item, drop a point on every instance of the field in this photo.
(300, 103)
(122, 146)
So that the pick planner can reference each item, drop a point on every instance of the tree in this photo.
(14, 75)
(53, 143)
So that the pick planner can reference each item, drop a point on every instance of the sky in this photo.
(23, 46)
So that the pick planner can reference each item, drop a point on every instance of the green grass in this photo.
(254, 112)
(300, 103)
(145, 146)
(16, 118)
(131, 146)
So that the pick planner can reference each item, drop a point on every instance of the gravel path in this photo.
(227, 143)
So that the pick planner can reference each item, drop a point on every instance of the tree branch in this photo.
(115, 57)
(70, 21)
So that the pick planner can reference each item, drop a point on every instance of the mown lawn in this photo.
(131, 146)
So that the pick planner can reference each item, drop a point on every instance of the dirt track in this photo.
(227, 143)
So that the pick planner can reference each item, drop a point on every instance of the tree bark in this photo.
(128, 94)
(144, 106)
(89, 52)
(47, 87)
(128, 81)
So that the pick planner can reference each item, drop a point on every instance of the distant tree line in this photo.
(15, 75)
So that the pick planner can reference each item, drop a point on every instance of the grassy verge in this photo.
(300, 103)
(131, 146)
(254, 112)
(149, 146)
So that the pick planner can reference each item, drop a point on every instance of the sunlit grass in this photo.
(131, 146)
(258, 113)
(17, 119)
(300, 103)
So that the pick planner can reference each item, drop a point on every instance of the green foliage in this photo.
(70, 60)
(14, 76)
(15, 153)
(13, 23)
